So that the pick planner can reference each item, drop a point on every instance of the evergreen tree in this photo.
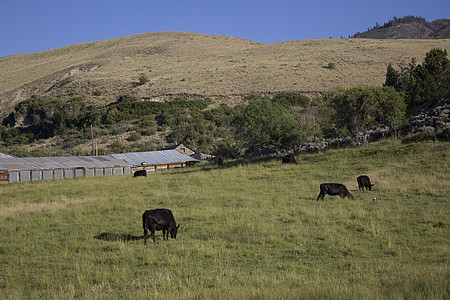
(433, 76)
(422, 83)
(392, 77)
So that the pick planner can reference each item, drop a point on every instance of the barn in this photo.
(181, 148)
(14, 169)
(156, 160)
(20, 169)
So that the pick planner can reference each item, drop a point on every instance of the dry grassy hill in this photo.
(181, 63)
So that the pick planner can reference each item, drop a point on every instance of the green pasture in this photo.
(250, 229)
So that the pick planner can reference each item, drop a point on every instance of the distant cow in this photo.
(289, 159)
(364, 182)
(218, 160)
(140, 173)
(159, 219)
(333, 189)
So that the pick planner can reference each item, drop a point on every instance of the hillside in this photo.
(408, 27)
(199, 65)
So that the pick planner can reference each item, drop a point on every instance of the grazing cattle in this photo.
(140, 173)
(333, 189)
(289, 159)
(218, 160)
(364, 182)
(159, 219)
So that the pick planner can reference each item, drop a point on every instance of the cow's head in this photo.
(173, 232)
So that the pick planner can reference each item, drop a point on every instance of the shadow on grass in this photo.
(117, 237)
(210, 166)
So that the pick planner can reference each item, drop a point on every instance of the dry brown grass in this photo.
(199, 64)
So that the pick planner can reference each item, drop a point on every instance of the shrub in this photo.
(291, 99)
(143, 79)
(331, 66)
(134, 137)
(361, 108)
(148, 131)
(263, 123)
(227, 149)
(98, 92)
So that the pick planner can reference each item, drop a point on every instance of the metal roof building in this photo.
(37, 168)
(21, 169)
(156, 160)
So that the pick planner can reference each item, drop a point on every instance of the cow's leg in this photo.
(152, 234)
(145, 235)
(321, 195)
(164, 234)
(145, 225)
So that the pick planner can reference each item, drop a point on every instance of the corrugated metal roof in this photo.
(35, 163)
(113, 160)
(154, 157)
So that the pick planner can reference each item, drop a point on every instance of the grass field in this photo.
(250, 229)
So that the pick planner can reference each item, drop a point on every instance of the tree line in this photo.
(259, 122)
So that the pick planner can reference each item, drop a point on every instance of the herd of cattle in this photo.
(334, 189)
(163, 219)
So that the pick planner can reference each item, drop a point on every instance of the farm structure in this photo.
(156, 160)
(39, 168)
(181, 148)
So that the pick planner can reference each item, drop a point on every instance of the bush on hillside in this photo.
(263, 123)
(361, 108)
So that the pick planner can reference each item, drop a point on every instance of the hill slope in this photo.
(220, 67)
(409, 27)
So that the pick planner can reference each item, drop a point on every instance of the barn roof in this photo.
(35, 163)
(113, 160)
(181, 148)
(154, 157)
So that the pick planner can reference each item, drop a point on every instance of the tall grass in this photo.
(251, 229)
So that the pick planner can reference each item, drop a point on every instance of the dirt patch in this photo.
(5, 212)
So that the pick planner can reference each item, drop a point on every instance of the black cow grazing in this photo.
(218, 160)
(289, 159)
(333, 189)
(140, 173)
(364, 182)
(159, 219)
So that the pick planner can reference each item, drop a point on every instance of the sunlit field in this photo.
(248, 229)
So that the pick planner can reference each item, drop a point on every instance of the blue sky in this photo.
(37, 25)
